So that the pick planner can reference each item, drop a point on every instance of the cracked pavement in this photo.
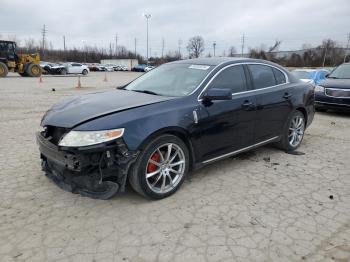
(264, 205)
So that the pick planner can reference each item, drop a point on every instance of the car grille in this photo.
(339, 93)
(55, 133)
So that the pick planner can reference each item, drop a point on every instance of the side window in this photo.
(76, 65)
(232, 78)
(262, 76)
(279, 76)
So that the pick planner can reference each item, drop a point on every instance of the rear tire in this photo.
(293, 132)
(160, 168)
(33, 70)
(3, 70)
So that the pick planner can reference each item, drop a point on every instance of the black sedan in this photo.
(176, 118)
(334, 91)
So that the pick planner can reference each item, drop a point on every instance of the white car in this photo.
(109, 67)
(76, 68)
(149, 68)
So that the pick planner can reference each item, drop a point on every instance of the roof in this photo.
(213, 61)
(6, 41)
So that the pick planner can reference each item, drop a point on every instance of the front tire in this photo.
(3, 70)
(63, 71)
(160, 168)
(293, 133)
(85, 72)
(33, 70)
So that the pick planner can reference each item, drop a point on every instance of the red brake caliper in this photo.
(152, 167)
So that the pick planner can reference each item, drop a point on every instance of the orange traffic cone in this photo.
(79, 83)
(105, 78)
(40, 79)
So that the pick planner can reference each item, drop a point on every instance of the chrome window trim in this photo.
(240, 150)
(206, 77)
(248, 91)
(341, 89)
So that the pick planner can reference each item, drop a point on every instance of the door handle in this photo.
(248, 105)
(287, 96)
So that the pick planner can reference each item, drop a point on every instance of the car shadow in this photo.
(333, 112)
(261, 154)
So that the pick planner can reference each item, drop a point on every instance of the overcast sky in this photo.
(95, 22)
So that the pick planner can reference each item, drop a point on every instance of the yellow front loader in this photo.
(10, 61)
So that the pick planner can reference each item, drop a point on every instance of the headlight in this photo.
(87, 138)
(319, 89)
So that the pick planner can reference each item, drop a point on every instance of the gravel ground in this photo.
(264, 205)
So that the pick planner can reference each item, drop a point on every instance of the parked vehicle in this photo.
(121, 68)
(313, 76)
(76, 68)
(54, 69)
(96, 67)
(110, 67)
(176, 118)
(139, 68)
(149, 68)
(334, 91)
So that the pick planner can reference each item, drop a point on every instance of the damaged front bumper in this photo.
(98, 171)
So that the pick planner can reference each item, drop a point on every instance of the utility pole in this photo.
(147, 16)
(214, 46)
(64, 47)
(324, 57)
(243, 42)
(180, 43)
(64, 43)
(347, 48)
(43, 33)
(135, 47)
(163, 43)
(116, 45)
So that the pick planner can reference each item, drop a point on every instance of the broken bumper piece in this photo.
(97, 171)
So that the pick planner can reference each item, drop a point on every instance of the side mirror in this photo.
(326, 75)
(217, 94)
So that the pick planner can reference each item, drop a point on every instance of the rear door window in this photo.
(262, 75)
(279, 76)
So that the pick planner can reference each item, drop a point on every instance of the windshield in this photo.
(302, 74)
(171, 79)
(342, 71)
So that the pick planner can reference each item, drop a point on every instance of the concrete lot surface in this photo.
(264, 205)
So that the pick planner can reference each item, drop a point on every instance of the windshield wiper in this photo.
(147, 92)
(333, 77)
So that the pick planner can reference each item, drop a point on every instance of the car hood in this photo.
(79, 109)
(335, 83)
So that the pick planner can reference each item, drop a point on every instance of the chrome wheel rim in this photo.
(296, 131)
(165, 168)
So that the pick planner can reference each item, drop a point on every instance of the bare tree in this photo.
(232, 51)
(195, 46)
